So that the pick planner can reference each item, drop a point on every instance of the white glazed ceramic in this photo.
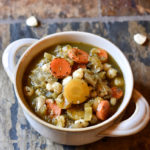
(110, 127)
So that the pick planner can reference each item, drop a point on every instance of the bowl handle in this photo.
(135, 123)
(10, 53)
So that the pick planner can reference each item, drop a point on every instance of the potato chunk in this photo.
(87, 113)
(75, 113)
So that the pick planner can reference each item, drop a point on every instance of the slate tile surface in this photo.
(48, 8)
(15, 131)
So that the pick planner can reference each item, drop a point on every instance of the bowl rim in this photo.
(38, 119)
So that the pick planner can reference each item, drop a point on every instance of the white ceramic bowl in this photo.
(109, 127)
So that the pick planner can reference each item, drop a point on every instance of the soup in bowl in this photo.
(74, 87)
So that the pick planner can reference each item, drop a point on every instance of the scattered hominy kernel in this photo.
(113, 101)
(107, 66)
(140, 38)
(78, 73)
(49, 87)
(66, 80)
(28, 91)
(111, 73)
(118, 81)
(32, 21)
(57, 87)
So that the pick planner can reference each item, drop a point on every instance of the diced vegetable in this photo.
(103, 89)
(75, 113)
(90, 78)
(60, 121)
(89, 103)
(87, 113)
(96, 65)
(48, 56)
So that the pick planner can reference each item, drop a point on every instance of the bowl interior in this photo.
(88, 38)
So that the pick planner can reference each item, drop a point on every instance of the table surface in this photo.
(117, 25)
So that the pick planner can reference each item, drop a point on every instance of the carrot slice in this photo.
(103, 110)
(60, 68)
(78, 55)
(116, 92)
(103, 55)
(77, 66)
(52, 108)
